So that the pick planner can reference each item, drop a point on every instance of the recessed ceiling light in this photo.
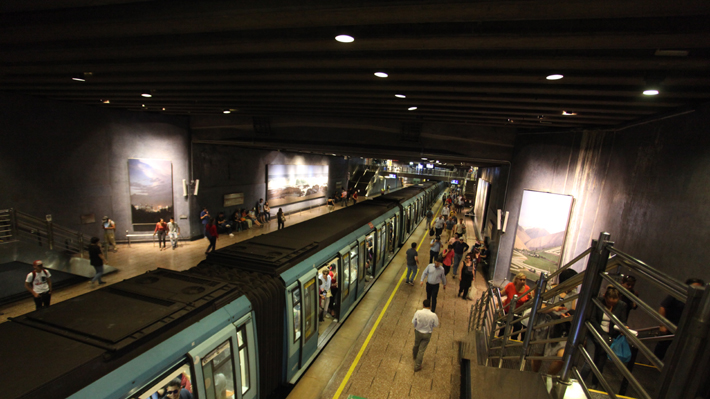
(143, 105)
(163, 108)
(556, 76)
(568, 113)
(147, 95)
(400, 96)
(411, 108)
(345, 38)
(510, 120)
(381, 74)
(424, 158)
(106, 101)
(78, 78)
(650, 92)
(226, 111)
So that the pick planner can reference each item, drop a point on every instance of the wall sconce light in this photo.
(193, 185)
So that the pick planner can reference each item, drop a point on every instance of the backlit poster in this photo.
(288, 184)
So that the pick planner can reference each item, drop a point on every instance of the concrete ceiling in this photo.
(478, 63)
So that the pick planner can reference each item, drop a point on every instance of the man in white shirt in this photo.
(39, 284)
(424, 322)
(434, 274)
(325, 278)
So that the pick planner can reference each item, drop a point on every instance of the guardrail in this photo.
(426, 171)
(679, 372)
(15, 225)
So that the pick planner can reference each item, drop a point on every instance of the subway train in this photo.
(244, 323)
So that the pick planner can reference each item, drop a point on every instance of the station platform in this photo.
(142, 257)
(370, 356)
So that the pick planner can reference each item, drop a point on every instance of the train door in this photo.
(294, 302)
(329, 301)
(391, 229)
(225, 364)
(348, 278)
(309, 297)
(365, 265)
(381, 233)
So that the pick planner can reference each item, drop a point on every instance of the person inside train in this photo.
(175, 390)
(326, 280)
(334, 290)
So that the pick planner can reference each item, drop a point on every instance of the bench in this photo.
(140, 236)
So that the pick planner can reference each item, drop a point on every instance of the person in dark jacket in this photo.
(211, 231)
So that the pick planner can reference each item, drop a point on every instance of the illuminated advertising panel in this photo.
(288, 184)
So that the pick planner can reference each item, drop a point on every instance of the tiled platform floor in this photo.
(386, 369)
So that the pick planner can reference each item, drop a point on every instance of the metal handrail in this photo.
(570, 263)
(41, 231)
(667, 283)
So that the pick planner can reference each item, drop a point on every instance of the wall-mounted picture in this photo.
(481, 204)
(288, 184)
(150, 184)
(541, 232)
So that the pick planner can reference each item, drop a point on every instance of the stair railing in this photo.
(18, 226)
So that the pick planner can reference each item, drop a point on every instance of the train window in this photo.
(243, 358)
(296, 300)
(309, 294)
(354, 264)
(363, 248)
(158, 388)
(218, 372)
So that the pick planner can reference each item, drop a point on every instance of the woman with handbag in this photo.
(605, 326)
(466, 275)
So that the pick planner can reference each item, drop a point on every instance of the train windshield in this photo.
(157, 389)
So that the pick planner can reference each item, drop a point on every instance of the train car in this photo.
(244, 323)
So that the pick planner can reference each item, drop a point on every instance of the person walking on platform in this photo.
(280, 219)
(459, 248)
(424, 322)
(173, 232)
(39, 284)
(109, 233)
(467, 275)
(439, 226)
(434, 274)
(211, 230)
(435, 248)
(412, 264)
(429, 218)
(161, 229)
(96, 259)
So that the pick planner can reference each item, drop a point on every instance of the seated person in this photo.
(236, 220)
(223, 225)
(175, 390)
(267, 211)
(331, 201)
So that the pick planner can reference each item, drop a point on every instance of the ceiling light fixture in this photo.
(400, 96)
(555, 76)
(106, 101)
(424, 158)
(650, 92)
(345, 38)
(381, 74)
(226, 111)
(78, 78)
(510, 120)
(146, 95)
(163, 108)
(568, 113)
(411, 108)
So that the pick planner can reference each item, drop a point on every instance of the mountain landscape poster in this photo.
(288, 184)
(150, 183)
(541, 232)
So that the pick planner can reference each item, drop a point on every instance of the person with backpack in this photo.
(39, 284)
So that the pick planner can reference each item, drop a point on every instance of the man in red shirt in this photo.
(517, 287)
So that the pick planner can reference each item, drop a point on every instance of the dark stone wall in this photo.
(648, 186)
(224, 169)
(498, 179)
(68, 160)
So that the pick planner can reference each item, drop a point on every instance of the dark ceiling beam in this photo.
(155, 18)
(544, 63)
(198, 47)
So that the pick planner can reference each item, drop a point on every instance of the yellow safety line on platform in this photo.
(377, 322)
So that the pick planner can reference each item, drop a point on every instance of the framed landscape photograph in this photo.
(150, 183)
(540, 234)
(288, 184)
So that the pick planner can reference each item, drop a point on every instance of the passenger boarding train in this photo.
(243, 323)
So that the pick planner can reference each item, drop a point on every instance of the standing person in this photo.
(467, 275)
(280, 219)
(96, 258)
(450, 223)
(260, 211)
(516, 287)
(212, 234)
(605, 326)
(459, 248)
(446, 211)
(204, 218)
(412, 264)
(354, 197)
(173, 232)
(461, 227)
(672, 309)
(326, 280)
(429, 218)
(629, 282)
(161, 228)
(434, 274)
(424, 322)
(448, 258)
(39, 284)
(344, 198)
(435, 248)
(109, 232)
(439, 225)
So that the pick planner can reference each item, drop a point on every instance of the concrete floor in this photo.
(385, 368)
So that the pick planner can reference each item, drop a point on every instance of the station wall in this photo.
(69, 160)
(648, 186)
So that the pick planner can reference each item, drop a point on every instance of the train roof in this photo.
(279, 250)
(78, 337)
